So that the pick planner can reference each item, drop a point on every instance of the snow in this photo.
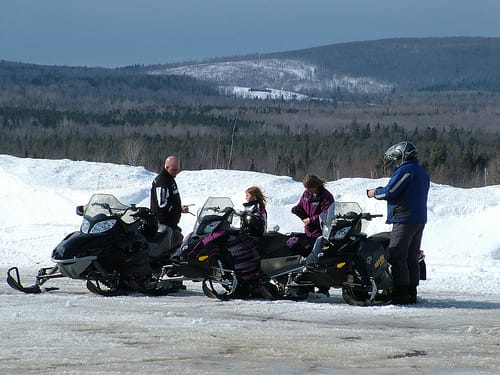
(454, 329)
(287, 74)
(263, 94)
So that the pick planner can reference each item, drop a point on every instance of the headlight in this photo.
(341, 233)
(85, 226)
(103, 226)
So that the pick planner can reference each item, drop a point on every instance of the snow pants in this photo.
(403, 253)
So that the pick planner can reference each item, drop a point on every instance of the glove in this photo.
(299, 212)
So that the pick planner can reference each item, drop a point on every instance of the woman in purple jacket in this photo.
(314, 200)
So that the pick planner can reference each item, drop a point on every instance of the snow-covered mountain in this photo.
(366, 67)
(279, 77)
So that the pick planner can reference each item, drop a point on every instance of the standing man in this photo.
(406, 196)
(166, 203)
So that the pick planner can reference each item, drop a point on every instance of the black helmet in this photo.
(400, 152)
(253, 225)
(148, 224)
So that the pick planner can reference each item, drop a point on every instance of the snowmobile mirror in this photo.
(79, 210)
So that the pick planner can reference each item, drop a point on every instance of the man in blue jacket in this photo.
(406, 196)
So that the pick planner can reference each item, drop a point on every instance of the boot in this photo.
(401, 295)
(413, 294)
(302, 279)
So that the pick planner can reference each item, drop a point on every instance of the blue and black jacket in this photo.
(406, 194)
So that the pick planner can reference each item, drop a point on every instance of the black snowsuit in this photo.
(165, 200)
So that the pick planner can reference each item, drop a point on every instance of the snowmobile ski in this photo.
(228, 288)
(14, 280)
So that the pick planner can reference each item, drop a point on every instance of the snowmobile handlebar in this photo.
(368, 216)
(142, 212)
(351, 215)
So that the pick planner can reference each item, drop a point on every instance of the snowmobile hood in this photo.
(78, 244)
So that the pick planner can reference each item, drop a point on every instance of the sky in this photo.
(119, 33)
(454, 328)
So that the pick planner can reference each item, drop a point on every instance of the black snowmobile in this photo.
(232, 263)
(116, 251)
(222, 253)
(345, 257)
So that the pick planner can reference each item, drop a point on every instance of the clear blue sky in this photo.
(125, 32)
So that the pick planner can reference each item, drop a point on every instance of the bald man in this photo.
(166, 202)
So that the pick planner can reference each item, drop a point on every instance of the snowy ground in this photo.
(455, 328)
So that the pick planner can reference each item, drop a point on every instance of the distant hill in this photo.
(380, 66)
(370, 67)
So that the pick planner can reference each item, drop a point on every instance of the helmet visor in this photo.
(392, 155)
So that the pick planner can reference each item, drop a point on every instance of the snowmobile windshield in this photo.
(338, 209)
(108, 205)
(211, 215)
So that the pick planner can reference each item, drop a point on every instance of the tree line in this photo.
(127, 116)
(207, 137)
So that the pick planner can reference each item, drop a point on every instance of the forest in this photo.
(124, 116)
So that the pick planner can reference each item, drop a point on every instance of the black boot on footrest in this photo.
(302, 279)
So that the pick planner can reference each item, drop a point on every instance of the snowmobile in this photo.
(222, 253)
(116, 251)
(345, 257)
(231, 263)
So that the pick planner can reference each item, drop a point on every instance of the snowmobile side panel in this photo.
(271, 266)
(74, 268)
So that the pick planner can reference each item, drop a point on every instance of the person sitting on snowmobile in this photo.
(254, 214)
(314, 200)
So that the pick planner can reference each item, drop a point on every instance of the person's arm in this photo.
(395, 186)
(162, 195)
(325, 203)
(299, 210)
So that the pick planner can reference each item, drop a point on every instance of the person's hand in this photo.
(185, 209)
(370, 193)
(306, 221)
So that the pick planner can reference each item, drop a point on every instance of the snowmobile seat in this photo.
(273, 245)
(383, 237)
